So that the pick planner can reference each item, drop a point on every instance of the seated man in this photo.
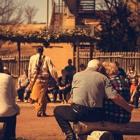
(89, 88)
(64, 84)
(52, 88)
(8, 108)
(22, 84)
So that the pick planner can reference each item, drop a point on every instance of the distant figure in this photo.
(6, 70)
(134, 92)
(64, 85)
(121, 72)
(52, 88)
(70, 69)
(22, 84)
(82, 67)
(8, 108)
(40, 69)
(132, 73)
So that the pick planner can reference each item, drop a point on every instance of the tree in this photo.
(30, 12)
(118, 27)
(11, 12)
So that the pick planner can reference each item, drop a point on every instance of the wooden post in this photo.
(47, 13)
(77, 57)
(18, 48)
(91, 50)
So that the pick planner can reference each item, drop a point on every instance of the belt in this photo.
(86, 108)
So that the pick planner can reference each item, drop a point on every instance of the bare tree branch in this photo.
(10, 11)
(30, 13)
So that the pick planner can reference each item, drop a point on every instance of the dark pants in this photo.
(63, 94)
(10, 126)
(136, 99)
(27, 94)
(75, 113)
(54, 92)
(21, 93)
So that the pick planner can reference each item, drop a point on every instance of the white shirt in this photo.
(8, 93)
(46, 68)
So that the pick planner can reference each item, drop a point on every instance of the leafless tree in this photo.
(11, 12)
(30, 12)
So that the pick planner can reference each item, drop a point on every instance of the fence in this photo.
(124, 58)
(11, 62)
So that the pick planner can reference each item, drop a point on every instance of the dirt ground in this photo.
(30, 127)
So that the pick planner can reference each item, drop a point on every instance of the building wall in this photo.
(59, 54)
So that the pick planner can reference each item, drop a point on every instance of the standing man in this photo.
(89, 88)
(40, 68)
(70, 69)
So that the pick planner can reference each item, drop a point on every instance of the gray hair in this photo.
(94, 63)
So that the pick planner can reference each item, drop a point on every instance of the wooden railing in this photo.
(124, 58)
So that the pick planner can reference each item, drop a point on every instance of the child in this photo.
(131, 74)
(134, 92)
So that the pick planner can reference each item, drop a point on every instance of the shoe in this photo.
(18, 100)
(44, 115)
(39, 114)
(70, 135)
(26, 101)
(62, 102)
(65, 102)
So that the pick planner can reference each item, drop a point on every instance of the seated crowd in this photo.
(112, 95)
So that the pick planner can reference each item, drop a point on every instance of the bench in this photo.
(84, 129)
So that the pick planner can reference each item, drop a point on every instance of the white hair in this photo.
(94, 63)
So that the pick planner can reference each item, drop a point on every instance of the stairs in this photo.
(86, 8)
(81, 8)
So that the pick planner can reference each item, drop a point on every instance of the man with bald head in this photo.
(89, 88)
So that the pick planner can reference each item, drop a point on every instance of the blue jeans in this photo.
(54, 91)
(21, 93)
(27, 94)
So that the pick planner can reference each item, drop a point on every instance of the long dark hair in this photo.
(1, 66)
(40, 51)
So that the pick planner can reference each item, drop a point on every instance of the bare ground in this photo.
(30, 127)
